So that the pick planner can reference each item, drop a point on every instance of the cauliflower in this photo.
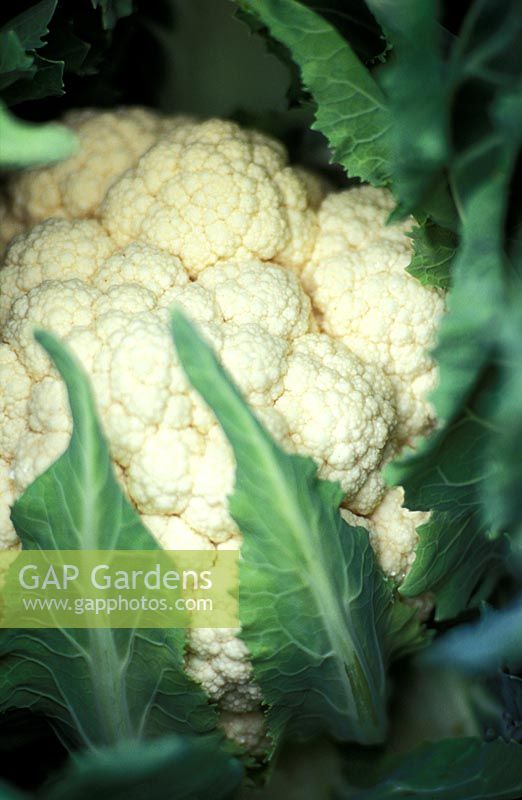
(304, 299)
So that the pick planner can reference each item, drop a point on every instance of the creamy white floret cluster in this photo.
(304, 297)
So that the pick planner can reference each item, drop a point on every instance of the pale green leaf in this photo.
(319, 619)
(25, 144)
(97, 686)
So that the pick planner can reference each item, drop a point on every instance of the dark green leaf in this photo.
(467, 332)
(459, 555)
(502, 495)
(96, 686)
(449, 472)
(486, 49)
(354, 21)
(485, 63)
(453, 769)
(69, 48)
(31, 26)
(14, 61)
(483, 647)
(25, 75)
(47, 81)
(113, 10)
(433, 703)
(433, 253)
(10, 793)
(295, 92)
(511, 692)
(351, 110)
(317, 614)
(455, 562)
(420, 130)
(183, 767)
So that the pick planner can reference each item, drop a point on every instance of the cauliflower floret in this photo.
(10, 226)
(393, 532)
(161, 474)
(8, 494)
(220, 661)
(173, 533)
(47, 405)
(337, 410)
(143, 265)
(212, 191)
(13, 400)
(58, 306)
(109, 142)
(207, 510)
(35, 452)
(251, 291)
(248, 730)
(363, 295)
(48, 252)
(259, 361)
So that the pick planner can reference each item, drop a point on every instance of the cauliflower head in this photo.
(303, 297)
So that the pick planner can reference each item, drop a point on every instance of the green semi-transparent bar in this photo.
(119, 589)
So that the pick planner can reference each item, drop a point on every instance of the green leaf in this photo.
(452, 769)
(467, 332)
(434, 249)
(455, 562)
(351, 110)
(182, 766)
(459, 555)
(484, 65)
(448, 471)
(319, 619)
(31, 26)
(24, 75)
(419, 134)
(484, 647)
(502, 498)
(25, 144)
(69, 48)
(113, 10)
(47, 81)
(511, 693)
(10, 793)
(486, 48)
(14, 61)
(96, 686)
(433, 703)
